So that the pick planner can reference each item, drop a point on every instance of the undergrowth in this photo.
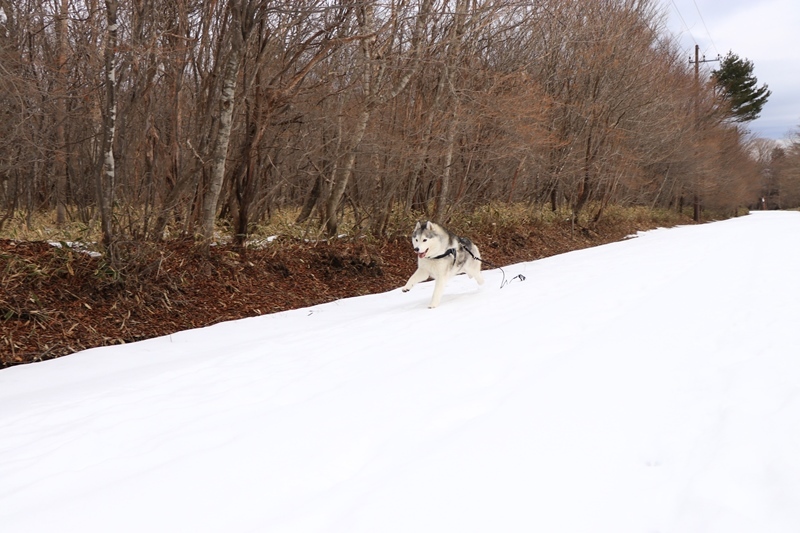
(281, 225)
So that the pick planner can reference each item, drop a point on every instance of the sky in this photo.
(763, 31)
(647, 385)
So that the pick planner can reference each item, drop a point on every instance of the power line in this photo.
(697, 59)
(704, 26)
(683, 21)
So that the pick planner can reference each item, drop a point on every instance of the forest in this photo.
(161, 119)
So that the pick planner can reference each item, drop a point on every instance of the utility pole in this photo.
(697, 61)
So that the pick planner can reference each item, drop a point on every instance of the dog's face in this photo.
(425, 240)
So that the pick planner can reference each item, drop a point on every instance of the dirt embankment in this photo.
(56, 301)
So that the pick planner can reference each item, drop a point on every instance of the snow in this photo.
(651, 385)
(79, 246)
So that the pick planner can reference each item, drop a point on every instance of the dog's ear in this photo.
(429, 225)
(417, 227)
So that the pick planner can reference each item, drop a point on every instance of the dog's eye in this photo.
(424, 240)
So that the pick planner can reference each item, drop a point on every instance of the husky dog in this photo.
(441, 255)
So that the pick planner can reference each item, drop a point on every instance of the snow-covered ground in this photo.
(651, 385)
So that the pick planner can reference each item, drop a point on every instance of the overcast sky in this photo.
(763, 31)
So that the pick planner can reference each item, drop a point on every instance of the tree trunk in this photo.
(696, 207)
(340, 185)
(219, 152)
(444, 182)
(105, 178)
(61, 116)
(311, 201)
(585, 186)
(244, 176)
(449, 79)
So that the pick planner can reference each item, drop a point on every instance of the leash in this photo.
(502, 283)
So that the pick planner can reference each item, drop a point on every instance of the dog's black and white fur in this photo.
(442, 255)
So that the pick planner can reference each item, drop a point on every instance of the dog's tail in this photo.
(469, 247)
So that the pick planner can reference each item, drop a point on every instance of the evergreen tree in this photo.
(737, 84)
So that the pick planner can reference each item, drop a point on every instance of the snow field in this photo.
(651, 385)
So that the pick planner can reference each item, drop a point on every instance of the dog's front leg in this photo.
(415, 278)
(438, 289)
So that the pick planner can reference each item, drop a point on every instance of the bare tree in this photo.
(105, 178)
(282, 62)
(62, 27)
(375, 87)
(242, 14)
(228, 111)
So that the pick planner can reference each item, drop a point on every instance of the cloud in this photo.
(761, 31)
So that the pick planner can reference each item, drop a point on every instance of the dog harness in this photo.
(465, 244)
(450, 251)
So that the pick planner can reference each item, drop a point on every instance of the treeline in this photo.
(780, 173)
(161, 117)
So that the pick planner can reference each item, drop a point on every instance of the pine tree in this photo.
(736, 82)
